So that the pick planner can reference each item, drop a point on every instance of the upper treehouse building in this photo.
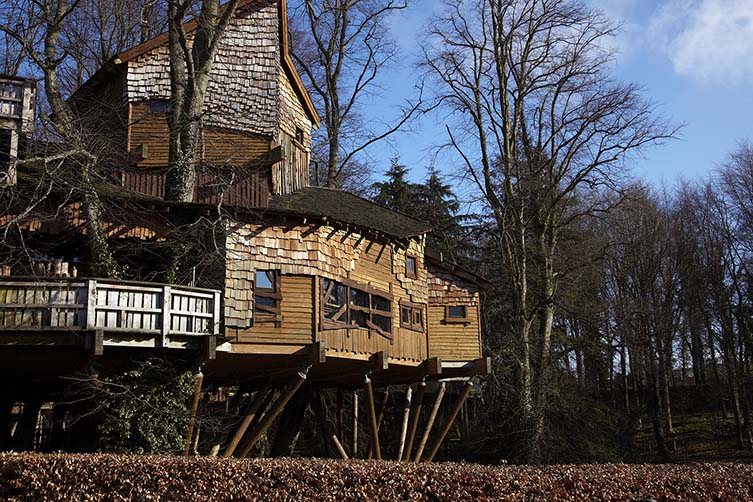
(309, 278)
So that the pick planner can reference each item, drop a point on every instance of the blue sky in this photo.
(694, 58)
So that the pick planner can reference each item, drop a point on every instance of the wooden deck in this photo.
(126, 313)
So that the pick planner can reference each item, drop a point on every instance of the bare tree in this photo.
(340, 47)
(190, 70)
(538, 122)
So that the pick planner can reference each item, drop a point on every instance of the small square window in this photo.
(159, 106)
(410, 267)
(456, 313)
(299, 135)
(264, 279)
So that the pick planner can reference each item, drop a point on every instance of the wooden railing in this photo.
(114, 306)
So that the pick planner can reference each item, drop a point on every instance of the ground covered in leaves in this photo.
(35, 477)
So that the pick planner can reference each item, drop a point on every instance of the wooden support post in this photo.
(372, 417)
(446, 428)
(194, 411)
(404, 429)
(380, 417)
(430, 423)
(339, 447)
(416, 415)
(269, 417)
(259, 415)
(290, 424)
(252, 411)
(354, 450)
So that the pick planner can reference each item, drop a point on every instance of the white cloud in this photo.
(709, 40)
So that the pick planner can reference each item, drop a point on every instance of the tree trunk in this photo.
(290, 423)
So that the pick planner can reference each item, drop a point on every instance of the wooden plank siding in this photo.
(453, 341)
(297, 308)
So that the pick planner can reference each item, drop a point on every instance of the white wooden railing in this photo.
(108, 305)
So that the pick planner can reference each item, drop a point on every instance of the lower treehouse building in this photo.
(299, 284)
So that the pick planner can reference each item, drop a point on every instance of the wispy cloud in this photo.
(708, 40)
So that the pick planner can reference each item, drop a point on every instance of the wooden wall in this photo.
(452, 341)
(297, 308)
(315, 251)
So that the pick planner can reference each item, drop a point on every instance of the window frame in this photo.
(413, 309)
(349, 307)
(265, 313)
(414, 273)
(458, 320)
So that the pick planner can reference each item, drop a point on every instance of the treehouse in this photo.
(302, 282)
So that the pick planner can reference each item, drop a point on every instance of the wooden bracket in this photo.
(380, 361)
(318, 353)
(94, 342)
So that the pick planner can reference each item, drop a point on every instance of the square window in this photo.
(264, 279)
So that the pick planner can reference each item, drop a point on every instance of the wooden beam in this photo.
(430, 423)
(372, 417)
(415, 416)
(446, 428)
(404, 429)
(481, 366)
(433, 366)
(194, 409)
(380, 361)
(318, 353)
(269, 417)
(250, 415)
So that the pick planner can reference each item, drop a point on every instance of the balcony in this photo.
(121, 313)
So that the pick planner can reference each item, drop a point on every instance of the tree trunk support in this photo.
(194, 410)
(269, 417)
(430, 423)
(253, 410)
(416, 415)
(354, 450)
(404, 429)
(372, 417)
(446, 428)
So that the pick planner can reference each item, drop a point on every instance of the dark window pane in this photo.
(379, 303)
(262, 300)
(359, 318)
(384, 323)
(456, 312)
(405, 315)
(339, 294)
(359, 298)
(263, 279)
(419, 318)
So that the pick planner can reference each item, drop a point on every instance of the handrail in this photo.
(108, 305)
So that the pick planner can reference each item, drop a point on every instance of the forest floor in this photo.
(697, 437)
(54, 477)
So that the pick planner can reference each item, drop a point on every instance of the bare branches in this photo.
(340, 49)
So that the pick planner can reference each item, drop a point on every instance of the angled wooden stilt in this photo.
(430, 423)
(194, 410)
(380, 417)
(269, 417)
(446, 428)
(340, 413)
(404, 429)
(372, 417)
(354, 450)
(250, 415)
(415, 416)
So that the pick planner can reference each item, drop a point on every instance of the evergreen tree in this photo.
(396, 193)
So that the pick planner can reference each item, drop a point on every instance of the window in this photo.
(159, 106)
(299, 135)
(411, 316)
(456, 313)
(355, 306)
(410, 267)
(267, 296)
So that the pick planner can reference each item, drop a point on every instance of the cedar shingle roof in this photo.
(351, 209)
